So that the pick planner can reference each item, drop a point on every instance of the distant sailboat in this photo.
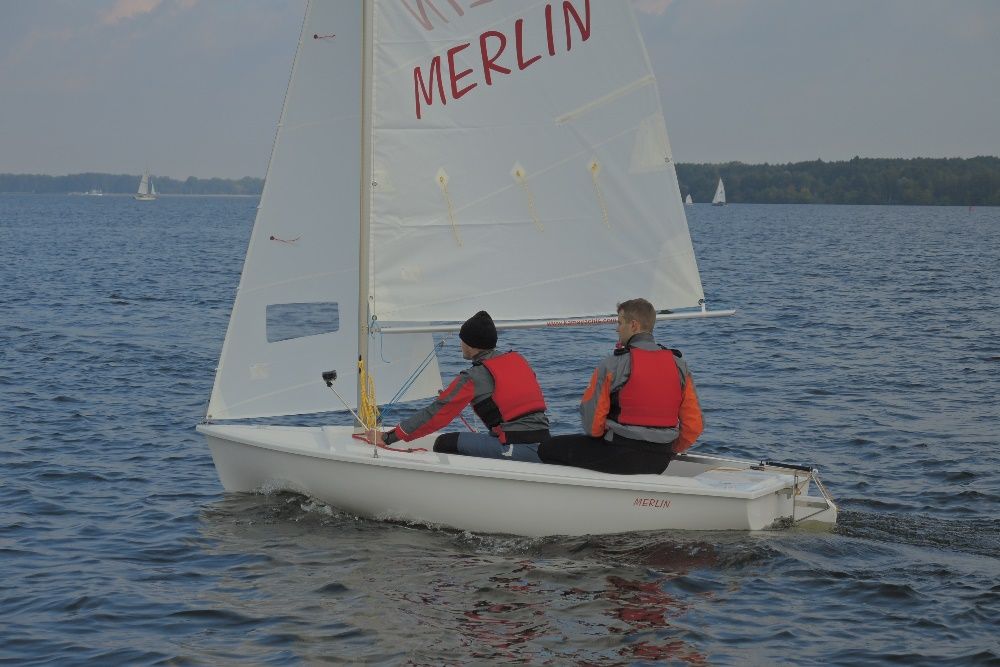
(147, 191)
(688, 201)
(720, 195)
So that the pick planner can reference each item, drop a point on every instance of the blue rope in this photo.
(413, 376)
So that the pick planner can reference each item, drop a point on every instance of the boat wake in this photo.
(973, 536)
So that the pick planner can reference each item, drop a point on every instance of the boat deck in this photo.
(697, 475)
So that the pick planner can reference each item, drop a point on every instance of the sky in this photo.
(195, 87)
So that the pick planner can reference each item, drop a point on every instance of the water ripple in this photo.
(861, 347)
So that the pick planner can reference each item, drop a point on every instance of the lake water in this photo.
(867, 343)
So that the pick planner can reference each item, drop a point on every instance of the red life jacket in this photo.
(652, 394)
(515, 394)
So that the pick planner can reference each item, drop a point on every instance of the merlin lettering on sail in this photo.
(499, 54)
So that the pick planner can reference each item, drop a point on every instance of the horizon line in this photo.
(724, 163)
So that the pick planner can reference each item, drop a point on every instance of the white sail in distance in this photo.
(720, 194)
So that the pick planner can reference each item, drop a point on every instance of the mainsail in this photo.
(474, 161)
(511, 178)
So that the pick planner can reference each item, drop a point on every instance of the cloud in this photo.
(27, 47)
(651, 6)
(129, 9)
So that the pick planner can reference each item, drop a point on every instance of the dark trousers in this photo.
(622, 456)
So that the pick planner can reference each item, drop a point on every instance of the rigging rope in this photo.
(413, 376)
(405, 450)
(368, 395)
(368, 410)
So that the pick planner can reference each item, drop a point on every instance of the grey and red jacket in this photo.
(655, 409)
(510, 404)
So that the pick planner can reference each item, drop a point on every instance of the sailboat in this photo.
(146, 191)
(688, 201)
(720, 195)
(388, 218)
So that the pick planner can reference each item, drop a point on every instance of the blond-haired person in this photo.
(639, 409)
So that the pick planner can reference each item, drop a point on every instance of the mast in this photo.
(364, 191)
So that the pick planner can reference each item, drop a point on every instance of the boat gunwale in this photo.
(486, 468)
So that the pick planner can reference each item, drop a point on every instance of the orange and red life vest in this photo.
(652, 394)
(516, 391)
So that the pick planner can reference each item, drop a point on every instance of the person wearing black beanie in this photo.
(479, 331)
(504, 394)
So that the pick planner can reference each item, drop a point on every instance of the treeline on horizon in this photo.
(917, 181)
(127, 184)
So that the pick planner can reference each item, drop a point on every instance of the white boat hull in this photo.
(493, 496)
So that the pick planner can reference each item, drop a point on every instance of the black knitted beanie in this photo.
(479, 331)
